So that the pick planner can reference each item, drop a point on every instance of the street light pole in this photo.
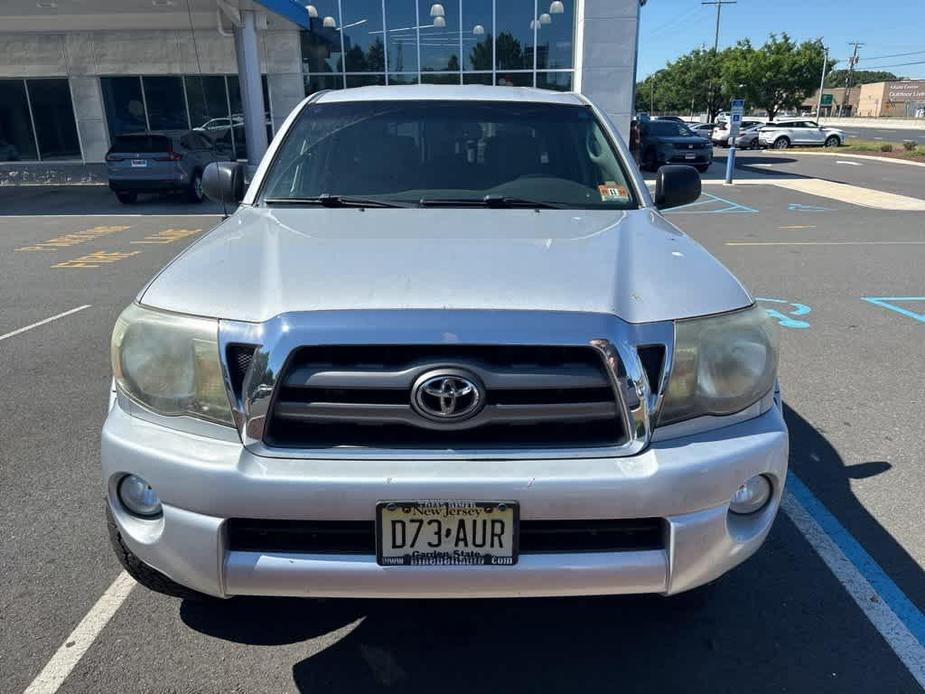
(825, 65)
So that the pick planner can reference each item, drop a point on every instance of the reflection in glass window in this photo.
(558, 81)
(208, 110)
(477, 78)
(555, 27)
(439, 27)
(364, 80)
(16, 142)
(53, 114)
(125, 109)
(514, 40)
(318, 83)
(164, 98)
(515, 79)
(401, 25)
(321, 46)
(440, 78)
(477, 33)
(364, 50)
(404, 78)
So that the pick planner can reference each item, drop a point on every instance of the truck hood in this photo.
(262, 262)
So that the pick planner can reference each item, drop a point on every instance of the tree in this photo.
(836, 78)
(778, 76)
(692, 82)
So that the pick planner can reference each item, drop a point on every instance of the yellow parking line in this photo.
(68, 240)
(96, 259)
(167, 236)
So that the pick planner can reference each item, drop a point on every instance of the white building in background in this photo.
(75, 73)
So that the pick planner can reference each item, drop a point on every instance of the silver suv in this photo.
(447, 346)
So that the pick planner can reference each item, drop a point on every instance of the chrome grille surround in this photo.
(615, 340)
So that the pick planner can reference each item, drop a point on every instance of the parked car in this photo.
(674, 119)
(748, 137)
(702, 129)
(788, 133)
(667, 142)
(160, 161)
(447, 346)
(722, 132)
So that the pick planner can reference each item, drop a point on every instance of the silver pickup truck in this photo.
(447, 346)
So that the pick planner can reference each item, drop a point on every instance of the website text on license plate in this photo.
(446, 532)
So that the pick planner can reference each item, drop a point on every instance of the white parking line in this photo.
(43, 322)
(78, 641)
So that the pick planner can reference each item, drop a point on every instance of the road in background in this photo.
(851, 376)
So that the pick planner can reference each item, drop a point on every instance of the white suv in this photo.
(789, 133)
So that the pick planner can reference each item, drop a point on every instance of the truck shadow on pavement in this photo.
(92, 200)
(780, 622)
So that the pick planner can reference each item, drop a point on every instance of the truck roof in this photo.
(470, 92)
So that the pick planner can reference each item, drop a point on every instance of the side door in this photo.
(797, 132)
(814, 134)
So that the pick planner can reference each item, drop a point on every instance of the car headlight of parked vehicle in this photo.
(722, 364)
(170, 364)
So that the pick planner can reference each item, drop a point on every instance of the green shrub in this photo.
(909, 145)
(886, 147)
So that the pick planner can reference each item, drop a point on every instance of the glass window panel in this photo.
(477, 78)
(401, 27)
(558, 81)
(53, 114)
(514, 29)
(440, 78)
(515, 79)
(321, 47)
(317, 83)
(364, 80)
(164, 98)
(16, 141)
(208, 108)
(125, 110)
(554, 34)
(238, 134)
(405, 78)
(477, 33)
(364, 50)
(439, 22)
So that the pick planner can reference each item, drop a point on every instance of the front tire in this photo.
(194, 192)
(126, 197)
(781, 143)
(150, 578)
(832, 141)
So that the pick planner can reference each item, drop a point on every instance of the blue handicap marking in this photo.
(786, 320)
(798, 207)
(888, 302)
(716, 205)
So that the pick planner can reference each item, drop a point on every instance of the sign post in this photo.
(735, 122)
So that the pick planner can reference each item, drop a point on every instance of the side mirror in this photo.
(675, 185)
(223, 182)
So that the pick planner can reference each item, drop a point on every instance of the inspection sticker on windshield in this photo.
(611, 192)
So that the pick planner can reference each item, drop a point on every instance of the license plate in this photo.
(690, 156)
(440, 532)
(139, 163)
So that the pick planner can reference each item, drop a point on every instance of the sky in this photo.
(670, 28)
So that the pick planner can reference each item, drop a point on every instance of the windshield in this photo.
(449, 152)
(667, 128)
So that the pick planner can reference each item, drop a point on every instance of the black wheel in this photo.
(127, 198)
(781, 143)
(702, 168)
(150, 578)
(832, 141)
(194, 192)
(756, 144)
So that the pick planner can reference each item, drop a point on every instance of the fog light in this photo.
(751, 496)
(137, 496)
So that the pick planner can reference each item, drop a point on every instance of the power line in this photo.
(880, 67)
(896, 55)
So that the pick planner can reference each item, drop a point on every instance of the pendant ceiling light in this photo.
(312, 11)
(545, 18)
(556, 7)
(329, 22)
(478, 30)
(436, 10)
(439, 22)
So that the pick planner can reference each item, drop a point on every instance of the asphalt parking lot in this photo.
(845, 282)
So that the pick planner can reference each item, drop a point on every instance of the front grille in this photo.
(358, 537)
(534, 396)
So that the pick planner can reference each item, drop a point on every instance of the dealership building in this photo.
(898, 99)
(74, 74)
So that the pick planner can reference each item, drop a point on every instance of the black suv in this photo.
(670, 142)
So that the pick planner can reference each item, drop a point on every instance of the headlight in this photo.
(170, 364)
(722, 364)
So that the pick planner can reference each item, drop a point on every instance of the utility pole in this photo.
(719, 8)
(852, 61)
(825, 65)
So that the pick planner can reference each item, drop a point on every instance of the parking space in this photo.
(845, 283)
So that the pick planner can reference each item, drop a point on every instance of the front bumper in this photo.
(202, 482)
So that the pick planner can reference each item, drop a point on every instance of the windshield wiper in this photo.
(329, 200)
(494, 201)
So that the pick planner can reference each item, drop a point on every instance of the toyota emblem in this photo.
(448, 395)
